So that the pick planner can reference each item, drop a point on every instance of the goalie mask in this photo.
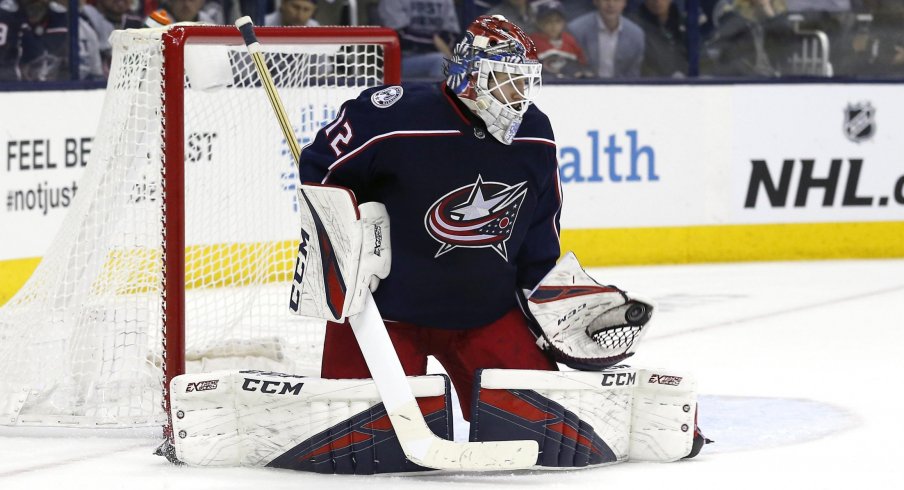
(495, 71)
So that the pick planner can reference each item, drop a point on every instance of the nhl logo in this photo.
(386, 97)
(859, 121)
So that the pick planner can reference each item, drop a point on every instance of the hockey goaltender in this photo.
(466, 172)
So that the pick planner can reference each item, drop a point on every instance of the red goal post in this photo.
(174, 42)
(175, 250)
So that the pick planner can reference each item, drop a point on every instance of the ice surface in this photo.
(798, 365)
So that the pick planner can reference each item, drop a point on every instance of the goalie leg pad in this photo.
(578, 418)
(343, 251)
(663, 420)
(250, 418)
(589, 418)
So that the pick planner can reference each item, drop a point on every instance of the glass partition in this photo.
(43, 46)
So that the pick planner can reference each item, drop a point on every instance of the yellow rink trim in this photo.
(207, 266)
(735, 243)
(594, 247)
(13, 274)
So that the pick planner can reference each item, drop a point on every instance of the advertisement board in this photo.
(650, 173)
(45, 140)
(696, 173)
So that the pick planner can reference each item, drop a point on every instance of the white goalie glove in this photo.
(344, 250)
(582, 323)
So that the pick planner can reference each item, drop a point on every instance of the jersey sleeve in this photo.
(342, 153)
(541, 247)
(10, 24)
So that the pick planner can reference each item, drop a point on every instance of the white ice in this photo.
(798, 366)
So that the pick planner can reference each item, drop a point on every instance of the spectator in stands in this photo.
(707, 18)
(337, 12)
(34, 43)
(665, 50)
(576, 8)
(333, 12)
(426, 29)
(560, 53)
(705, 9)
(188, 11)
(755, 10)
(293, 13)
(874, 47)
(215, 10)
(518, 12)
(739, 44)
(105, 16)
(832, 17)
(484, 5)
(614, 44)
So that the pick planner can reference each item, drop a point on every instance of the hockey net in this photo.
(176, 252)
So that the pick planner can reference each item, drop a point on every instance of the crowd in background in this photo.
(576, 39)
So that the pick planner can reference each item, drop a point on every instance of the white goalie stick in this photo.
(418, 442)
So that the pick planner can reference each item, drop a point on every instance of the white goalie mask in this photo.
(494, 70)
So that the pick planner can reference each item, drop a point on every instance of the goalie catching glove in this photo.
(582, 323)
(344, 250)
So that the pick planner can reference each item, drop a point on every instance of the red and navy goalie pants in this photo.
(506, 343)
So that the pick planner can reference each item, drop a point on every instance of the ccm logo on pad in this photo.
(272, 387)
(202, 386)
(618, 379)
(665, 380)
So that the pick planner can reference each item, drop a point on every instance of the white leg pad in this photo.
(582, 418)
(249, 418)
(662, 418)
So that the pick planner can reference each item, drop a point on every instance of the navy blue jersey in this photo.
(471, 219)
(11, 20)
(33, 52)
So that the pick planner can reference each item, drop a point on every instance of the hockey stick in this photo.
(418, 442)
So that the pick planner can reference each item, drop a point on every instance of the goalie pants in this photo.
(506, 343)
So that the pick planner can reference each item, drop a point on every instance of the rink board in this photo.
(650, 174)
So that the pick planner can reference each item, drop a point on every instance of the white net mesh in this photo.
(81, 341)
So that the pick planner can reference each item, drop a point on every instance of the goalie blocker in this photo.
(579, 419)
(344, 250)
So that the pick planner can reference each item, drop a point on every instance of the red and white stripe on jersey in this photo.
(380, 137)
(535, 140)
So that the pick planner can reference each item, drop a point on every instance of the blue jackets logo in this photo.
(478, 215)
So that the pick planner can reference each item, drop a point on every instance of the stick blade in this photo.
(480, 456)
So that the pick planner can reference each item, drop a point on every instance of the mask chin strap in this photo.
(502, 122)
(502, 119)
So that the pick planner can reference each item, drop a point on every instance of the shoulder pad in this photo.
(535, 124)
